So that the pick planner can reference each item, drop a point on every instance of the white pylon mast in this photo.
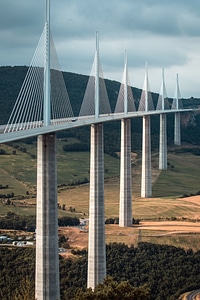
(97, 77)
(47, 85)
(126, 84)
(163, 90)
(177, 92)
(146, 88)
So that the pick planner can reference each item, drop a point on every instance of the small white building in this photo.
(5, 239)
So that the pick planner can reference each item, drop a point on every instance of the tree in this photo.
(112, 290)
(25, 290)
(2, 151)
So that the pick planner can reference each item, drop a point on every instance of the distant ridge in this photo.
(11, 79)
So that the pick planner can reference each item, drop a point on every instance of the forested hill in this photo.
(11, 79)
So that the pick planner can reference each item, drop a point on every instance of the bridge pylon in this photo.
(146, 104)
(47, 285)
(124, 103)
(177, 104)
(96, 239)
(162, 105)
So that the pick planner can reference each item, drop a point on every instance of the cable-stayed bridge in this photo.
(42, 108)
(43, 104)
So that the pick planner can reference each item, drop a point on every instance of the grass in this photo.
(182, 177)
(168, 186)
(74, 166)
(145, 209)
(19, 171)
(131, 236)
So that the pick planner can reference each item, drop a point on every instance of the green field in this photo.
(18, 171)
(182, 176)
(145, 209)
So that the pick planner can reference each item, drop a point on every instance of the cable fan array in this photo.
(88, 104)
(125, 92)
(28, 111)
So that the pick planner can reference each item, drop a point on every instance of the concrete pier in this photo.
(47, 262)
(125, 208)
(96, 239)
(146, 185)
(177, 129)
(163, 142)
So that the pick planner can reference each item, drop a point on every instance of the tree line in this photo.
(159, 271)
(28, 223)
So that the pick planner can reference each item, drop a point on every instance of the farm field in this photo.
(175, 233)
(165, 218)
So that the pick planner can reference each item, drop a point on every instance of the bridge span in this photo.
(25, 131)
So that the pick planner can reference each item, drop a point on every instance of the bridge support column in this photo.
(146, 186)
(47, 262)
(125, 208)
(96, 242)
(177, 129)
(163, 142)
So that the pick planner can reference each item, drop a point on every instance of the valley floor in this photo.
(178, 233)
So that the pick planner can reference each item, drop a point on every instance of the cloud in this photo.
(164, 33)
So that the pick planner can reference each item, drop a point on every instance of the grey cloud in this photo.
(162, 32)
(114, 17)
(21, 14)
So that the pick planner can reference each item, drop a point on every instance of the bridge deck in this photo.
(69, 123)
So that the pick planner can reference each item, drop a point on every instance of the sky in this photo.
(163, 33)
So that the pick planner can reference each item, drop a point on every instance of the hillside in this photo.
(18, 176)
(11, 82)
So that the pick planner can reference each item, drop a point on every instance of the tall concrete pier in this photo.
(177, 129)
(127, 102)
(163, 104)
(146, 104)
(163, 142)
(96, 242)
(146, 188)
(47, 262)
(125, 209)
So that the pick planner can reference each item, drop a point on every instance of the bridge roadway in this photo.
(73, 122)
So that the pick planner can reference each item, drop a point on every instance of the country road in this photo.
(192, 295)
